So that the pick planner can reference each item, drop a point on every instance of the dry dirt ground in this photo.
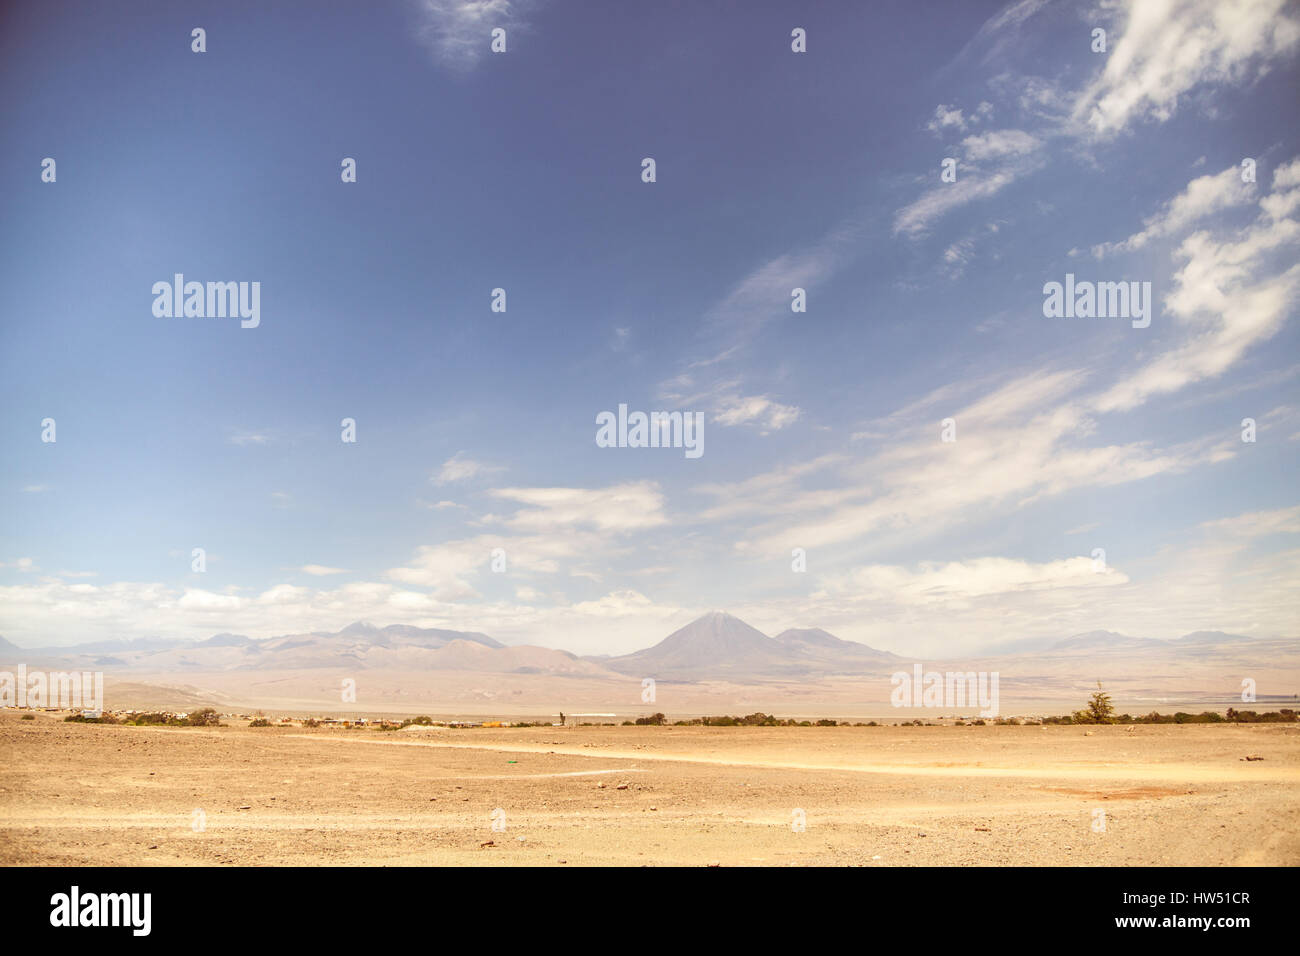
(79, 794)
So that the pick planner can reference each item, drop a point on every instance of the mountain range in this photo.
(719, 645)
(716, 646)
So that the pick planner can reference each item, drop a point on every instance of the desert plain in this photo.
(1168, 795)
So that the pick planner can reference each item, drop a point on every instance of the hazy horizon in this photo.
(1010, 646)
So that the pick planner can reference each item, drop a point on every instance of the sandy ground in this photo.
(78, 794)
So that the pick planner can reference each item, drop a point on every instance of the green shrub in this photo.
(204, 717)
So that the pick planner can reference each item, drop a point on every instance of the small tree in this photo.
(1100, 709)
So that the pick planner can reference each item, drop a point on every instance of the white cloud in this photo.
(1255, 524)
(1203, 197)
(627, 507)
(1167, 48)
(320, 570)
(755, 409)
(1161, 50)
(946, 117)
(460, 468)
(1023, 441)
(996, 144)
(959, 252)
(972, 184)
(932, 582)
(1228, 297)
(285, 594)
(197, 599)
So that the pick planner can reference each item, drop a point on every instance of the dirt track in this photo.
(881, 796)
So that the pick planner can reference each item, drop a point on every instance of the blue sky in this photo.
(774, 170)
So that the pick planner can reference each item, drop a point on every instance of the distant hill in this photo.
(814, 639)
(358, 646)
(227, 640)
(722, 646)
(1098, 640)
(1211, 637)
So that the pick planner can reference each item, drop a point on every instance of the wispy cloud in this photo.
(1228, 296)
(1160, 52)
(973, 183)
(755, 409)
(250, 438)
(459, 32)
(765, 293)
(459, 467)
(1203, 197)
(626, 507)
(1166, 50)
